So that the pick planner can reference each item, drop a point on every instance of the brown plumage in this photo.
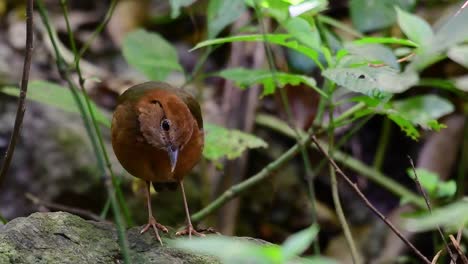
(157, 135)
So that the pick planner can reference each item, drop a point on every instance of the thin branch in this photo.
(436, 257)
(400, 60)
(429, 207)
(368, 203)
(55, 206)
(23, 91)
(457, 247)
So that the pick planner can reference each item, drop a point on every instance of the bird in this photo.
(157, 136)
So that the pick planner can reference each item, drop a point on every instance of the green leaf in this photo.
(176, 5)
(302, 31)
(285, 40)
(459, 54)
(461, 83)
(221, 142)
(247, 77)
(223, 13)
(384, 40)
(278, 9)
(150, 54)
(432, 183)
(231, 250)
(424, 110)
(374, 53)
(372, 81)
(57, 96)
(452, 216)
(368, 15)
(451, 33)
(405, 125)
(297, 243)
(415, 28)
(307, 7)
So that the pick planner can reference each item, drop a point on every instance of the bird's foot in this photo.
(189, 230)
(155, 225)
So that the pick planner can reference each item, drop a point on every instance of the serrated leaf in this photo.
(247, 77)
(372, 81)
(221, 142)
(57, 96)
(302, 31)
(285, 40)
(459, 54)
(176, 5)
(368, 15)
(223, 13)
(424, 110)
(151, 54)
(415, 28)
(297, 243)
(405, 125)
(432, 183)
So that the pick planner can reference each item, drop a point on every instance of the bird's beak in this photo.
(173, 155)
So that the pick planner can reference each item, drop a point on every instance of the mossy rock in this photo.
(63, 238)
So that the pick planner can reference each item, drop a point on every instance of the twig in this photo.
(436, 257)
(239, 188)
(368, 203)
(378, 65)
(55, 206)
(23, 91)
(429, 207)
(457, 247)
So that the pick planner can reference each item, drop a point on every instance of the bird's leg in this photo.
(151, 221)
(189, 229)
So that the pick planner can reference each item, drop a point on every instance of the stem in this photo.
(23, 91)
(382, 146)
(3, 219)
(369, 204)
(462, 169)
(350, 162)
(240, 188)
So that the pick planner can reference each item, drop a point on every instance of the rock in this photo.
(61, 237)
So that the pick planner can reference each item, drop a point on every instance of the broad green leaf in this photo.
(368, 15)
(374, 53)
(459, 54)
(247, 77)
(223, 13)
(452, 217)
(302, 31)
(424, 110)
(176, 5)
(285, 40)
(297, 243)
(432, 183)
(221, 142)
(451, 33)
(302, 7)
(405, 125)
(278, 9)
(372, 81)
(57, 96)
(415, 28)
(150, 54)
(231, 250)
(384, 40)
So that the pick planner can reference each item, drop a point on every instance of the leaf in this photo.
(221, 142)
(223, 13)
(385, 40)
(247, 77)
(368, 15)
(297, 243)
(150, 54)
(405, 125)
(231, 250)
(461, 83)
(432, 183)
(451, 33)
(280, 39)
(459, 54)
(415, 28)
(57, 96)
(303, 7)
(176, 5)
(302, 31)
(372, 81)
(424, 110)
(316, 260)
(374, 53)
(451, 216)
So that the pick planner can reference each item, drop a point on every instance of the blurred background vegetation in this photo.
(376, 81)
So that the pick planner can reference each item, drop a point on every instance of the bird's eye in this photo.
(165, 125)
